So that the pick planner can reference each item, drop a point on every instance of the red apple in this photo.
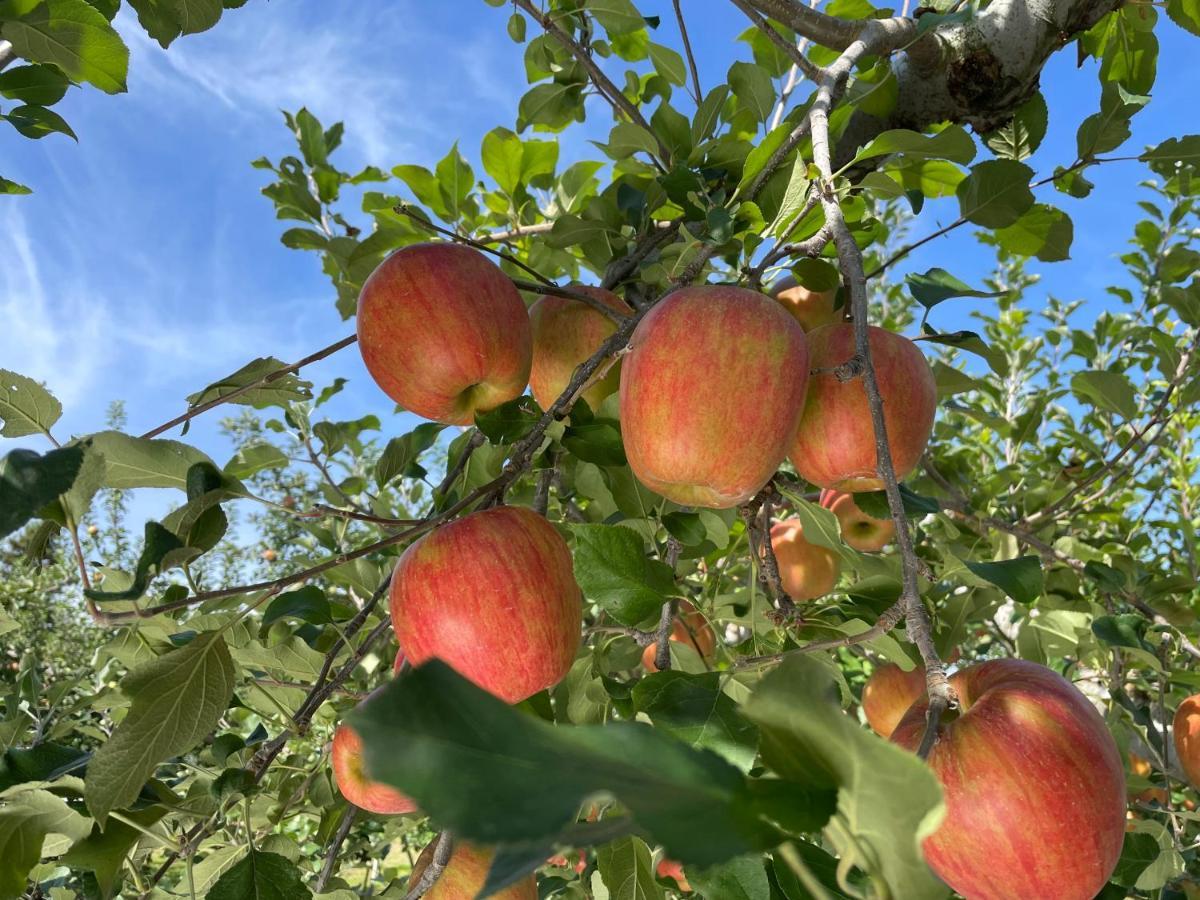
(444, 332)
(691, 627)
(835, 444)
(669, 868)
(494, 596)
(807, 570)
(1187, 738)
(860, 531)
(565, 333)
(465, 873)
(888, 694)
(811, 309)
(352, 780)
(1033, 783)
(711, 393)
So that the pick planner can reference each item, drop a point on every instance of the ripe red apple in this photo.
(1033, 782)
(1187, 738)
(807, 570)
(691, 627)
(835, 443)
(711, 393)
(465, 873)
(493, 595)
(352, 780)
(860, 531)
(444, 332)
(811, 309)
(888, 694)
(669, 868)
(565, 333)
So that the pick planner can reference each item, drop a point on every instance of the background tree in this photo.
(178, 743)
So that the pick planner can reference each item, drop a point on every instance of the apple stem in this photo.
(876, 37)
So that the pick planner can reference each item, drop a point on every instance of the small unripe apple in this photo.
(1187, 738)
(493, 595)
(811, 309)
(444, 332)
(566, 333)
(465, 874)
(268, 555)
(807, 570)
(860, 531)
(351, 777)
(692, 628)
(888, 694)
(835, 443)
(92, 530)
(1033, 784)
(711, 394)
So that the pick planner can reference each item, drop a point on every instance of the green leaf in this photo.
(401, 453)
(951, 143)
(132, 462)
(627, 869)
(291, 658)
(501, 156)
(36, 122)
(176, 701)
(256, 458)
(1122, 631)
(694, 709)
(280, 389)
(552, 105)
(1163, 157)
(704, 124)
(972, 343)
(28, 482)
(492, 773)
(668, 63)
(995, 193)
(39, 85)
(626, 139)
(509, 422)
(74, 36)
(1185, 14)
(617, 16)
(1020, 578)
(12, 187)
(744, 878)
(1042, 230)
(1021, 135)
(597, 441)
(1138, 852)
(1108, 129)
(613, 571)
(456, 180)
(42, 762)
(1130, 53)
(25, 406)
(931, 287)
(753, 87)
(159, 542)
(260, 876)
(888, 801)
(26, 818)
(104, 852)
(309, 604)
(1111, 391)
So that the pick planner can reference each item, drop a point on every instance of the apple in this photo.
(807, 570)
(444, 332)
(1033, 783)
(1187, 738)
(888, 694)
(465, 873)
(711, 393)
(669, 868)
(351, 777)
(691, 627)
(565, 333)
(811, 309)
(493, 595)
(835, 444)
(860, 531)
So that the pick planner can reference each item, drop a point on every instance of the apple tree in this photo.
(770, 586)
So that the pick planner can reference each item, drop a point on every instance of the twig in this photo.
(887, 620)
(441, 856)
(473, 443)
(627, 265)
(335, 845)
(541, 493)
(810, 69)
(662, 635)
(245, 389)
(556, 291)
(517, 231)
(321, 509)
(324, 470)
(607, 89)
(697, 93)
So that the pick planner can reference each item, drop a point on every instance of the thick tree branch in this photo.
(433, 871)
(799, 61)
(828, 31)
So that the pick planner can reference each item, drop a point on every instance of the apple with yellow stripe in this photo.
(711, 393)
(465, 874)
(1033, 783)
(444, 332)
(567, 332)
(493, 595)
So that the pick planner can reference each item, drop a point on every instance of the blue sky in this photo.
(146, 264)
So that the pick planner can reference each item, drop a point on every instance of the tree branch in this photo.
(335, 846)
(828, 31)
(698, 94)
(801, 62)
(7, 54)
(433, 871)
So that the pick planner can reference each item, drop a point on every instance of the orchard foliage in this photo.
(169, 692)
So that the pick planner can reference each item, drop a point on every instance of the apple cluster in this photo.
(719, 385)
